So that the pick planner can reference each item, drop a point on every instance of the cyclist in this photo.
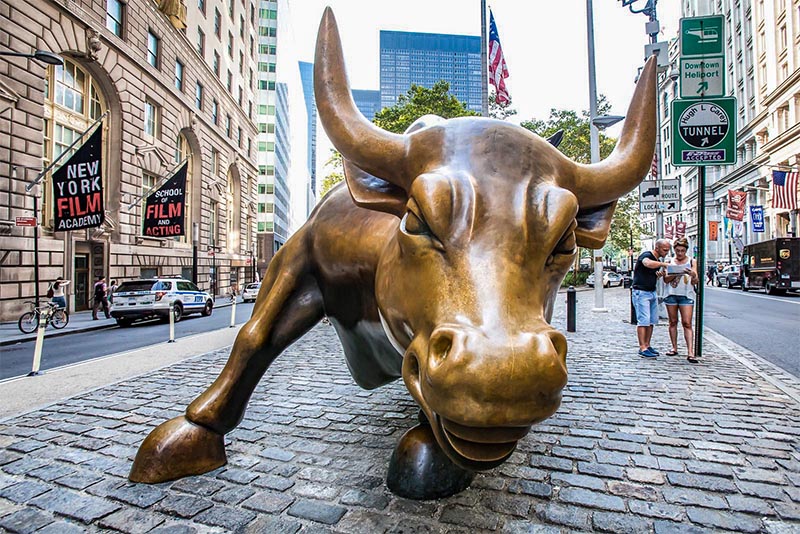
(58, 297)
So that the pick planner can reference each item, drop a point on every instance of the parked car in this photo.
(250, 292)
(609, 279)
(729, 277)
(153, 297)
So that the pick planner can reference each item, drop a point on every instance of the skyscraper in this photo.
(424, 59)
(368, 101)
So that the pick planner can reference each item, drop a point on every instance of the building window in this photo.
(198, 96)
(178, 75)
(215, 111)
(230, 45)
(217, 23)
(114, 16)
(216, 63)
(230, 82)
(201, 42)
(214, 162)
(151, 118)
(241, 26)
(241, 62)
(231, 215)
(230, 8)
(239, 136)
(201, 5)
(70, 87)
(228, 126)
(183, 152)
(213, 224)
(152, 49)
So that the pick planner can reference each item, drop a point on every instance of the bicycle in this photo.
(53, 314)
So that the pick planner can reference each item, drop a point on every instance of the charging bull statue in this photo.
(439, 262)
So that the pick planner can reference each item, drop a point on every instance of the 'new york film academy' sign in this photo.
(78, 188)
(165, 209)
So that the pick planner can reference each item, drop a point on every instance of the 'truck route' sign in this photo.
(165, 209)
(78, 188)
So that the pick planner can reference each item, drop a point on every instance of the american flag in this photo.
(784, 190)
(498, 70)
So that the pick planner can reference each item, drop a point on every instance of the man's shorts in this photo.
(678, 300)
(646, 305)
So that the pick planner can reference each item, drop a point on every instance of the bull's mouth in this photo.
(474, 448)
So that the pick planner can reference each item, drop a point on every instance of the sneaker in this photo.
(648, 353)
(654, 351)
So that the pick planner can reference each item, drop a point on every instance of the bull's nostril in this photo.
(559, 342)
(440, 344)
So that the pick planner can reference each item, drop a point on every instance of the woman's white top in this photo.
(682, 284)
(59, 291)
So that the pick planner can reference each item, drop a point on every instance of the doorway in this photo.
(81, 282)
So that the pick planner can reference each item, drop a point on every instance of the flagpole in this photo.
(158, 184)
(484, 63)
(63, 153)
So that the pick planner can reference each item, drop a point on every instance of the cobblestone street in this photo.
(637, 446)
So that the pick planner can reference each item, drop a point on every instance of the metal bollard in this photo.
(171, 323)
(233, 312)
(572, 305)
(37, 350)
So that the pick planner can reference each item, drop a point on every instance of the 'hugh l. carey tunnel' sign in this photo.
(78, 187)
(165, 209)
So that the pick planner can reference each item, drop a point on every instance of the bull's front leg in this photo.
(288, 305)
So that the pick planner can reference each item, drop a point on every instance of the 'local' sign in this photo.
(704, 131)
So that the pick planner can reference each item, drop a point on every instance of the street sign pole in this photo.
(701, 261)
(36, 248)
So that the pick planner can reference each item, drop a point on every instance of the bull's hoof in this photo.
(176, 449)
(420, 470)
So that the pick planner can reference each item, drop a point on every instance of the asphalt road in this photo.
(15, 360)
(767, 325)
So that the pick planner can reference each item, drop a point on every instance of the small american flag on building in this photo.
(498, 70)
(784, 190)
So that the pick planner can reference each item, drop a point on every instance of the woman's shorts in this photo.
(678, 300)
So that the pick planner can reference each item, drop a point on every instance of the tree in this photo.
(418, 101)
(626, 227)
(575, 144)
(500, 111)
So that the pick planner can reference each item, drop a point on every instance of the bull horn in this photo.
(604, 182)
(370, 148)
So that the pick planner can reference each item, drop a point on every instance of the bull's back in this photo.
(345, 244)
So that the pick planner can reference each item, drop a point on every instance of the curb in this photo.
(79, 330)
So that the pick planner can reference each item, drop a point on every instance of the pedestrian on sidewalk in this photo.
(58, 297)
(680, 298)
(645, 274)
(711, 271)
(100, 298)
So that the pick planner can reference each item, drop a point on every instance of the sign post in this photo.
(703, 123)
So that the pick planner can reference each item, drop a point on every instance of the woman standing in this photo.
(58, 292)
(680, 298)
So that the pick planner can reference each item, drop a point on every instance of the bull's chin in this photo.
(476, 449)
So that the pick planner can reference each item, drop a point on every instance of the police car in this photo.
(152, 297)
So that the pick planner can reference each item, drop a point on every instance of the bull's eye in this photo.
(414, 225)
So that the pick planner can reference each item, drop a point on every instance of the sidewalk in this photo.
(637, 446)
(78, 322)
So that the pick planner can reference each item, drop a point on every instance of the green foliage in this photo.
(626, 227)
(576, 144)
(575, 278)
(335, 176)
(419, 101)
(500, 111)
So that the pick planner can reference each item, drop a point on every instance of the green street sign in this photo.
(702, 36)
(704, 132)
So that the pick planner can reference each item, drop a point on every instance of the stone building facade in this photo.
(146, 69)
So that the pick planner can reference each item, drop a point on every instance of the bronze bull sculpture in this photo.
(439, 262)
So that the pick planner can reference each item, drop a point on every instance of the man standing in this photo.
(645, 302)
(100, 298)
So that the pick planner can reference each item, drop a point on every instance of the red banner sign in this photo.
(713, 230)
(680, 229)
(736, 202)
(669, 231)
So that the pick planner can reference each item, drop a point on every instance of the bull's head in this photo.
(491, 216)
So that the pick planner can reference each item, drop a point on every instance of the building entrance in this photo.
(82, 282)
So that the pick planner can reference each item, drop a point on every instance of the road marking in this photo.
(755, 295)
(109, 356)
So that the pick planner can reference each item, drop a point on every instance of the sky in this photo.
(544, 43)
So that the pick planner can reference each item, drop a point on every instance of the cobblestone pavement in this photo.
(637, 446)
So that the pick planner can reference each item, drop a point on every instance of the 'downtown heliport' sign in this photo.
(165, 209)
(78, 188)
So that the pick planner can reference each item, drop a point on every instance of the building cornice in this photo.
(782, 89)
(790, 135)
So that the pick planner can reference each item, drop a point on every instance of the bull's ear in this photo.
(556, 138)
(594, 225)
(373, 193)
